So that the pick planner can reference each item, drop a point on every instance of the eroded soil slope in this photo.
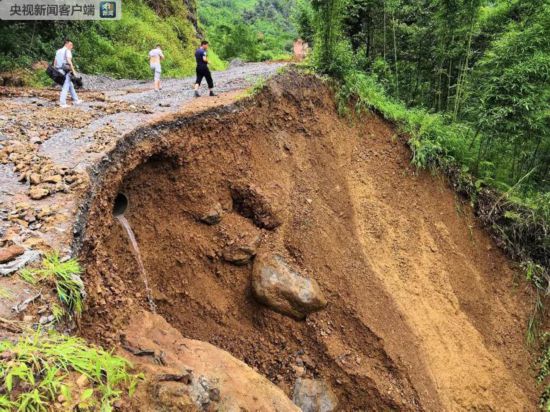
(423, 310)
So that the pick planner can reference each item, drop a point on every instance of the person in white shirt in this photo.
(155, 56)
(64, 63)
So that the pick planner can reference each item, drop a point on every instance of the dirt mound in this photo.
(423, 312)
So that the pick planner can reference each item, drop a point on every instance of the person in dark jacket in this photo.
(201, 56)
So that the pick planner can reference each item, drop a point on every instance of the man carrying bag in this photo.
(64, 63)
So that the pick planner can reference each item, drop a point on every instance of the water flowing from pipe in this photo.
(126, 225)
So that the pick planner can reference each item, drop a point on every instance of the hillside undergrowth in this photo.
(40, 371)
(115, 48)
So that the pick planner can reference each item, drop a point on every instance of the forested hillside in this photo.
(117, 48)
(469, 83)
(249, 29)
(483, 64)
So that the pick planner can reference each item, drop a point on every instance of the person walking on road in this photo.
(155, 56)
(64, 63)
(202, 69)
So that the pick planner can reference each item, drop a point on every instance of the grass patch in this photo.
(5, 294)
(41, 369)
(65, 275)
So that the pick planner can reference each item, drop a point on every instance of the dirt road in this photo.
(40, 139)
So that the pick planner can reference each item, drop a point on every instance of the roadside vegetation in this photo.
(480, 115)
(251, 30)
(114, 48)
(64, 276)
(544, 373)
(41, 371)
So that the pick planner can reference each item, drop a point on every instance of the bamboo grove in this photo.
(478, 63)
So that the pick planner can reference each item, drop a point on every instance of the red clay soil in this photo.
(423, 313)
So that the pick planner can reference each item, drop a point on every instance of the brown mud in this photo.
(424, 312)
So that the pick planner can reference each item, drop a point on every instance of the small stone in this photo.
(312, 395)
(9, 253)
(238, 255)
(35, 179)
(299, 370)
(46, 319)
(241, 253)
(53, 179)
(214, 394)
(213, 216)
(46, 211)
(37, 193)
(82, 381)
(70, 179)
(276, 284)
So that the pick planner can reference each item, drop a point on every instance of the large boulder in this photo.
(313, 395)
(279, 286)
(193, 375)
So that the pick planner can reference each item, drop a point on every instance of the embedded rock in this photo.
(279, 286)
(312, 395)
(7, 254)
(218, 380)
(241, 253)
(213, 215)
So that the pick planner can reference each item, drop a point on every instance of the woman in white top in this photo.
(155, 56)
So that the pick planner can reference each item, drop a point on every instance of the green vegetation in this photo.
(5, 294)
(491, 74)
(68, 284)
(252, 30)
(485, 118)
(42, 369)
(116, 48)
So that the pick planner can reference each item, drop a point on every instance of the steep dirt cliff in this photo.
(423, 312)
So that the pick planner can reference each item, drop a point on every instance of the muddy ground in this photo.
(424, 312)
(47, 153)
